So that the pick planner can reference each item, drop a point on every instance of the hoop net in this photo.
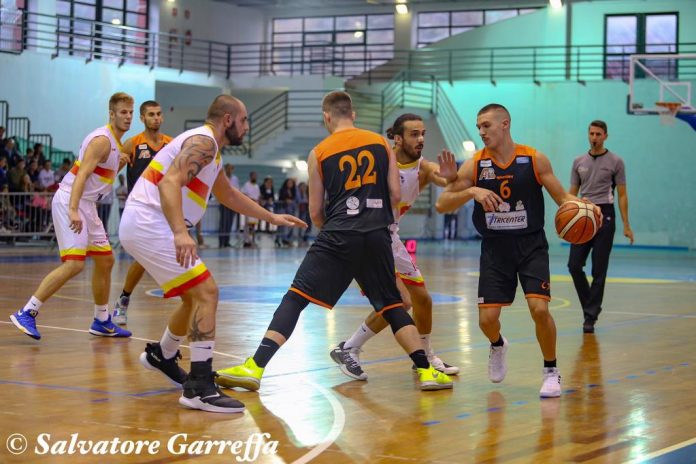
(668, 112)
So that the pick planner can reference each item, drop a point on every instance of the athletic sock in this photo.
(500, 341)
(549, 363)
(32, 305)
(425, 338)
(201, 351)
(420, 359)
(101, 312)
(125, 294)
(170, 344)
(266, 350)
(360, 337)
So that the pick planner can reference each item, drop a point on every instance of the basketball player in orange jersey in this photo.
(353, 186)
(506, 180)
(141, 148)
(415, 173)
(79, 231)
(170, 197)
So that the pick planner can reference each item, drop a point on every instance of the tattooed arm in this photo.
(196, 152)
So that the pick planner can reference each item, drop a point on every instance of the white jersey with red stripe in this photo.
(410, 189)
(100, 182)
(194, 195)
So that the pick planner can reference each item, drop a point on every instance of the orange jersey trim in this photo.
(198, 187)
(140, 139)
(391, 306)
(536, 295)
(313, 300)
(494, 305)
(411, 282)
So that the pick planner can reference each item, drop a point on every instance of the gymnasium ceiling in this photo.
(333, 4)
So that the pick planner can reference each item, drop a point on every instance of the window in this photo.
(341, 45)
(93, 28)
(436, 26)
(641, 33)
(11, 25)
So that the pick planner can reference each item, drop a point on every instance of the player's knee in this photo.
(104, 262)
(397, 318)
(208, 290)
(286, 316)
(539, 312)
(423, 300)
(74, 267)
(487, 320)
(574, 267)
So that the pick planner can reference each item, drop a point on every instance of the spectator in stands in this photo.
(227, 216)
(18, 178)
(47, 178)
(287, 204)
(252, 190)
(39, 153)
(2, 137)
(8, 214)
(63, 169)
(121, 194)
(10, 151)
(3, 172)
(33, 173)
(30, 156)
(267, 199)
(303, 209)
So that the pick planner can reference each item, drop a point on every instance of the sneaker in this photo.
(202, 393)
(432, 379)
(26, 322)
(441, 366)
(497, 364)
(588, 327)
(120, 308)
(247, 375)
(551, 385)
(153, 359)
(108, 329)
(349, 361)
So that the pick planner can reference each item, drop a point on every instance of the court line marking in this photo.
(338, 411)
(616, 280)
(664, 451)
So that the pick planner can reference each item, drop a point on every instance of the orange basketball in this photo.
(576, 222)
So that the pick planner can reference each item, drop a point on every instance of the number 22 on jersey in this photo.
(356, 180)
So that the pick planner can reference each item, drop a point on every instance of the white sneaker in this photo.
(441, 366)
(551, 385)
(120, 315)
(497, 364)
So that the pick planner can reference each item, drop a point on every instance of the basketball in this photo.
(576, 222)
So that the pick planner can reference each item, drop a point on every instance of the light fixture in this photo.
(301, 165)
(469, 145)
(171, 1)
(116, 22)
(358, 34)
(402, 8)
(556, 3)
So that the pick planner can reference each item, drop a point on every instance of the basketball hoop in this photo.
(668, 112)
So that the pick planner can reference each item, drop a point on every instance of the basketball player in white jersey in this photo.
(170, 198)
(79, 231)
(416, 173)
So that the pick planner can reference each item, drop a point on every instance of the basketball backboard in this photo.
(657, 82)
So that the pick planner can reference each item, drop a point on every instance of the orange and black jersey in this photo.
(519, 186)
(354, 167)
(142, 154)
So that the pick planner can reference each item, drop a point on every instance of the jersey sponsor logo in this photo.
(486, 163)
(352, 203)
(373, 203)
(512, 220)
(144, 154)
(487, 174)
(504, 207)
(519, 206)
(480, 300)
(522, 160)
(142, 146)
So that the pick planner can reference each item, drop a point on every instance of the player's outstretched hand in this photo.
(288, 220)
(186, 249)
(448, 166)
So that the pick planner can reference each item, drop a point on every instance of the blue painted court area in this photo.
(273, 295)
(684, 455)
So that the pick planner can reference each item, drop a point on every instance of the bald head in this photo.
(224, 104)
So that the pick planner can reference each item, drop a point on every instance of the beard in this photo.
(233, 136)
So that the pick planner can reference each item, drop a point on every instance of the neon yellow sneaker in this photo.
(432, 379)
(247, 375)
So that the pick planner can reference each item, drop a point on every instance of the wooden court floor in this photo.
(628, 389)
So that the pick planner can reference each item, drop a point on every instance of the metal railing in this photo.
(91, 40)
(25, 215)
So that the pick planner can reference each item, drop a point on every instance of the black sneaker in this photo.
(200, 392)
(349, 361)
(153, 359)
(588, 327)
